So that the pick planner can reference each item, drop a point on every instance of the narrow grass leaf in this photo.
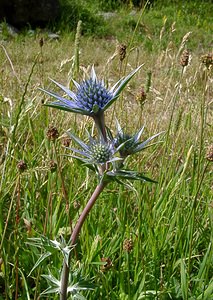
(183, 279)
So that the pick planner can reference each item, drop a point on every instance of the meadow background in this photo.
(153, 241)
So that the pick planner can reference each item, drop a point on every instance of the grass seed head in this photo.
(28, 225)
(41, 42)
(209, 154)
(22, 166)
(66, 142)
(141, 96)
(52, 133)
(148, 81)
(184, 59)
(128, 245)
(76, 204)
(108, 264)
(207, 60)
(53, 166)
(122, 51)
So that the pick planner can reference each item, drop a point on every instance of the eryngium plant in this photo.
(106, 155)
(91, 98)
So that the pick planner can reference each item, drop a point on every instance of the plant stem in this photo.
(74, 237)
(18, 204)
(100, 124)
(64, 191)
(202, 125)
(22, 100)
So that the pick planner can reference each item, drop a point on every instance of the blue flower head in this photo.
(96, 152)
(130, 144)
(92, 98)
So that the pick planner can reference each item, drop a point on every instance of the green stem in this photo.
(100, 124)
(8, 215)
(193, 209)
(64, 191)
(74, 237)
(22, 100)
(133, 35)
(202, 127)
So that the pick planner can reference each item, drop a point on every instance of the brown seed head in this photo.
(107, 265)
(53, 166)
(41, 42)
(207, 60)
(128, 245)
(76, 204)
(52, 133)
(121, 51)
(28, 225)
(66, 142)
(209, 154)
(141, 96)
(22, 166)
(184, 59)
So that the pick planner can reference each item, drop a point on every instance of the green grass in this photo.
(169, 223)
(166, 20)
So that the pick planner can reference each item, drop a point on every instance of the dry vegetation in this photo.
(169, 224)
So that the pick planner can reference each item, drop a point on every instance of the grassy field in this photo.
(150, 241)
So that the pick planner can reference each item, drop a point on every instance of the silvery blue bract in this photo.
(92, 98)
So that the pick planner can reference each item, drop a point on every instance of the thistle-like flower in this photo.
(92, 98)
(130, 144)
(96, 152)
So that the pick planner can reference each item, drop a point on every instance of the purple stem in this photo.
(74, 236)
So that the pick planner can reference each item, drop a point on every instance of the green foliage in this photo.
(73, 11)
(165, 19)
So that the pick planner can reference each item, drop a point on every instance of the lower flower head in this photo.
(95, 152)
(101, 152)
(130, 144)
(127, 142)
